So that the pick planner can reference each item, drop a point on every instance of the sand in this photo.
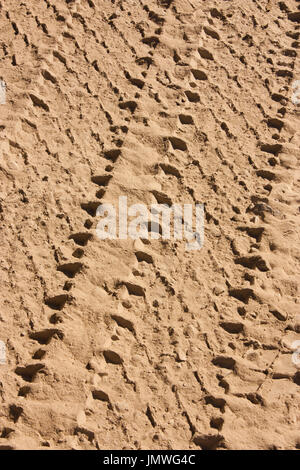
(123, 344)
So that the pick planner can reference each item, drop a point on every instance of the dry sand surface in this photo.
(122, 344)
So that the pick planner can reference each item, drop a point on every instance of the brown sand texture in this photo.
(141, 344)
